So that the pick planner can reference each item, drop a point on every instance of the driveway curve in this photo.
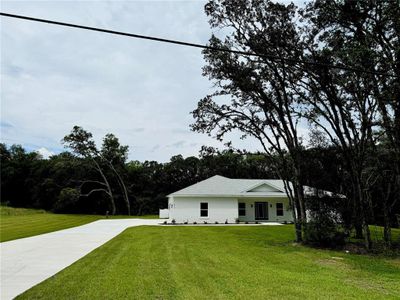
(28, 261)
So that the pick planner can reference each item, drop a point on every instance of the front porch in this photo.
(264, 210)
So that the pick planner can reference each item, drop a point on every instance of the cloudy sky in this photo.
(53, 78)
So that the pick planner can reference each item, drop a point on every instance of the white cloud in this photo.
(45, 153)
(54, 77)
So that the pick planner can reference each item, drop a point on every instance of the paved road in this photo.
(27, 262)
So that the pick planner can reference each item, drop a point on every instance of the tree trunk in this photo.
(359, 230)
(387, 229)
(300, 199)
(123, 188)
(363, 207)
(112, 202)
(299, 196)
(367, 236)
(297, 225)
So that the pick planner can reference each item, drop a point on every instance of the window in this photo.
(203, 209)
(279, 209)
(242, 209)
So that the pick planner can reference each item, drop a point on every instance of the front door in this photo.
(261, 210)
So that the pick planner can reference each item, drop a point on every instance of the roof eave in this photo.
(229, 196)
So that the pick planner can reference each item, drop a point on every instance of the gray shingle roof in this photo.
(223, 186)
(228, 187)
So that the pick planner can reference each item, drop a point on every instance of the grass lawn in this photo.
(259, 262)
(18, 223)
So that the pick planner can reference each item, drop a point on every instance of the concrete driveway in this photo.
(28, 261)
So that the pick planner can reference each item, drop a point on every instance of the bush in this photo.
(323, 227)
(67, 200)
(324, 234)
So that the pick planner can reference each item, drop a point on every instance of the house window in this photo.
(203, 209)
(279, 209)
(242, 209)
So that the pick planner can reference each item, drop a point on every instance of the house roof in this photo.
(227, 187)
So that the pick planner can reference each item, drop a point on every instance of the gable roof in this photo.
(227, 187)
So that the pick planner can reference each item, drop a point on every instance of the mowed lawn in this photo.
(258, 262)
(18, 223)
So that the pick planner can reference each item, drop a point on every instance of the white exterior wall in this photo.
(250, 211)
(164, 213)
(184, 209)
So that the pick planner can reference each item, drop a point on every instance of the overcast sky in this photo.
(53, 78)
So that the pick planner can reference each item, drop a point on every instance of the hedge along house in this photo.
(221, 199)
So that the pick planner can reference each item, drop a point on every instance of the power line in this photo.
(181, 43)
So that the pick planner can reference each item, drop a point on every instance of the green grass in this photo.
(18, 223)
(13, 211)
(219, 263)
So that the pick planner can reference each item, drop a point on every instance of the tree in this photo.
(115, 156)
(262, 103)
(348, 104)
(82, 144)
(17, 180)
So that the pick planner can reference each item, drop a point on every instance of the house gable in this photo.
(263, 187)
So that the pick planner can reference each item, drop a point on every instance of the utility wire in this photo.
(181, 43)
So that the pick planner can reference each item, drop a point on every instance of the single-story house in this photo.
(221, 199)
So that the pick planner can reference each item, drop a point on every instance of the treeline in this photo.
(59, 183)
(62, 182)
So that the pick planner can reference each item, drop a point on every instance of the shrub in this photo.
(237, 220)
(194, 222)
(67, 200)
(323, 233)
(216, 222)
(323, 228)
(173, 221)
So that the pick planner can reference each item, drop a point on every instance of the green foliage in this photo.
(113, 151)
(333, 65)
(323, 232)
(67, 200)
(323, 227)
(12, 211)
(81, 142)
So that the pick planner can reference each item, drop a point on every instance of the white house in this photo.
(221, 199)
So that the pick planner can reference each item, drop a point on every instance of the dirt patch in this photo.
(355, 248)
(394, 262)
(365, 283)
(336, 262)
(350, 275)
